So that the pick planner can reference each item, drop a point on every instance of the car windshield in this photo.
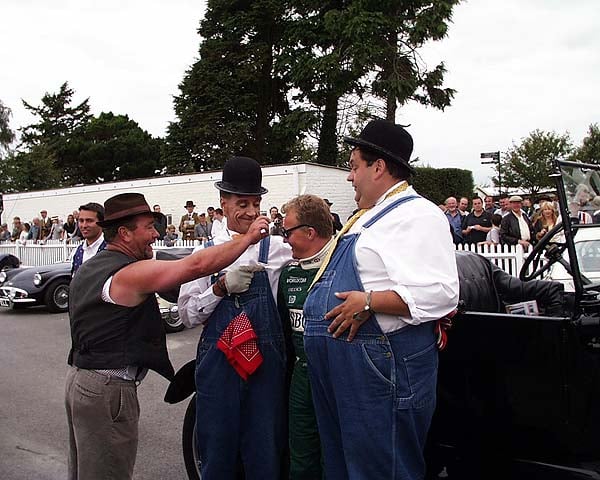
(581, 200)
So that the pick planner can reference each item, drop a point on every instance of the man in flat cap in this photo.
(117, 333)
(370, 317)
(241, 361)
(516, 226)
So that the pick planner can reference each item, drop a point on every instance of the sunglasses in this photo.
(287, 231)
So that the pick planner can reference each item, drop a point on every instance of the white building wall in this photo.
(171, 192)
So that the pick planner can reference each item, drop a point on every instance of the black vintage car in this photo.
(22, 287)
(516, 391)
(29, 286)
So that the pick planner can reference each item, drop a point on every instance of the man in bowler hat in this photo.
(188, 222)
(371, 313)
(240, 367)
(117, 333)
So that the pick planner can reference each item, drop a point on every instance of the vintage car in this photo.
(29, 286)
(516, 391)
(22, 287)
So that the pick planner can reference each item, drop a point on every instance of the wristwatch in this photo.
(367, 307)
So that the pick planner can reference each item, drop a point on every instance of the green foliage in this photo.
(271, 74)
(528, 165)
(68, 146)
(589, 151)
(231, 100)
(58, 119)
(7, 136)
(437, 184)
(111, 148)
(31, 170)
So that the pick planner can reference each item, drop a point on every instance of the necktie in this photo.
(353, 219)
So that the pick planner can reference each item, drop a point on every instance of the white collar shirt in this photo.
(90, 250)
(197, 300)
(409, 251)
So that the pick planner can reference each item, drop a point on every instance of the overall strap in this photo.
(263, 255)
(390, 207)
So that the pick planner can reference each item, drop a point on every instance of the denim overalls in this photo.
(234, 416)
(374, 397)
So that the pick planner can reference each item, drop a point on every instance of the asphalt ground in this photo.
(33, 432)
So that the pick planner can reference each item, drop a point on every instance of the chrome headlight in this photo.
(2, 277)
(37, 279)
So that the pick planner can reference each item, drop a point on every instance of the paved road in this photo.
(33, 433)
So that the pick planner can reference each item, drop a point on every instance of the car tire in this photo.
(56, 297)
(172, 326)
(188, 439)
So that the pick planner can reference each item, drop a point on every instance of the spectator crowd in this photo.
(512, 220)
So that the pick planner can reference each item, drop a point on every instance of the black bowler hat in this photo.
(123, 206)
(387, 139)
(241, 176)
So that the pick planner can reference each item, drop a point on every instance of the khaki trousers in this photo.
(102, 415)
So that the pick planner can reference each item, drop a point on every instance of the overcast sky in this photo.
(517, 65)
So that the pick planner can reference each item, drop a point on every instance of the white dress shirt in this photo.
(90, 250)
(197, 300)
(410, 252)
(217, 227)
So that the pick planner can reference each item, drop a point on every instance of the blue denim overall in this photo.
(234, 416)
(374, 397)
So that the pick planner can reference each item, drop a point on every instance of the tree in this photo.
(589, 151)
(363, 50)
(231, 100)
(272, 73)
(111, 148)
(528, 165)
(398, 30)
(57, 121)
(7, 136)
(31, 170)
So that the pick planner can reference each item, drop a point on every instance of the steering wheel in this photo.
(552, 251)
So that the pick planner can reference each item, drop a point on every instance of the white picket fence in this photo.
(509, 258)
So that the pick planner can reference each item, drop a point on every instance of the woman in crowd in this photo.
(547, 219)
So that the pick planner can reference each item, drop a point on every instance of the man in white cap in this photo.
(516, 228)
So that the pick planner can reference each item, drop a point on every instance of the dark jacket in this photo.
(510, 233)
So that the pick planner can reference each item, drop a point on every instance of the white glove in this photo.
(237, 280)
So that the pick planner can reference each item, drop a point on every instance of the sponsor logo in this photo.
(296, 280)
(297, 320)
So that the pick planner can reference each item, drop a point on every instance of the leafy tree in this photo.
(528, 165)
(58, 118)
(398, 30)
(589, 151)
(7, 136)
(231, 100)
(31, 170)
(272, 73)
(111, 148)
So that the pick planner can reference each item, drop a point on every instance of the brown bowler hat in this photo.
(123, 206)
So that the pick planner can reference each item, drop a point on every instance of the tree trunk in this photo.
(327, 151)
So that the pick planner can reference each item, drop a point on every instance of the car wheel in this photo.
(190, 454)
(56, 297)
(188, 439)
(173, 325)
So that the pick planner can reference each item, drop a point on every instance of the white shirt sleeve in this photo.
(197, 300)
(410, 252)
